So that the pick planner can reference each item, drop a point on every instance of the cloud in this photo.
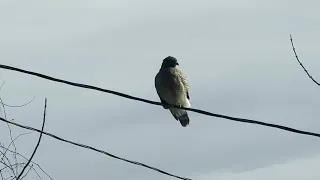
(297, 169)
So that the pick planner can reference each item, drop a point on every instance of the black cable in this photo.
(94, 149)
(159, 104)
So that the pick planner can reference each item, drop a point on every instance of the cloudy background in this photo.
(238, 59)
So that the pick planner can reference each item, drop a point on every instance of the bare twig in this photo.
(1, 175)
(10, 134)
(294, 50)
(21, 165)
(14, 106)
(12, 142)
(10, 166)
(43, 171)
(18, 106)
(8, 178)
(34, 152)
(27, 160)
(10, 131)
(13, 152)
(4, 160)
(2, 85)
(30, 167)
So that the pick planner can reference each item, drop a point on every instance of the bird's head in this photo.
(169, 62)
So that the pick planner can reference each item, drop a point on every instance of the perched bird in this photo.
(173, 88)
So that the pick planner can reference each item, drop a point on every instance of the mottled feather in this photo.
(173, 88)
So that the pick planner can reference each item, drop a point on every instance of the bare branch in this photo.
(10, 134)
(28, 160)
(34, 152)
(30, 167)
(12, 142)
(18, 106)
(1, 175)
(14, 106)
(10, 166)
(13, 152)
(21, 165)
(294, 50)
(35, 172)
(4, 159)
(2, 85)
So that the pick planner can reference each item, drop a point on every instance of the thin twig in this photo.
(2, 85)
(159, 103)
(34, 169)
(1, 175)
(10, 134)
(10, 131)
(14, 106)
(18, 106)
(34, 152)
(7, 166)
(93, 149)
(9, 177)
(30, 167)
(28, 160)
(10, 166)
(294, 50)
(14, 152)
(43, 171)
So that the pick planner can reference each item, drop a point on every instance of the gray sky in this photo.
(238, 59)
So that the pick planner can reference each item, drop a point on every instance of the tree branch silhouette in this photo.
(243, 120)
(27, 160)
(34, 152)
(18, 106)
(295, 53)
(10, 134)
(9, 167)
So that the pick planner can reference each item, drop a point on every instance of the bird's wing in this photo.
(172, 86)
(184, 81)
(157, 83)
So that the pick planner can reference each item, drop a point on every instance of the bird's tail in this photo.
(180, 115)
(184, 119)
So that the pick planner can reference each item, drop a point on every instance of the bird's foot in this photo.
(165, 106)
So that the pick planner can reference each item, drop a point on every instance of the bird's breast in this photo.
(171, 88)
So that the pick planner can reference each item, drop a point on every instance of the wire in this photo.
(285, 128)
(94, 149)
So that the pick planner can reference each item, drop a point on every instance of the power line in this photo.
(285, 128)
(94, 149)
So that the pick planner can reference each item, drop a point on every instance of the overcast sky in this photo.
(238, 59)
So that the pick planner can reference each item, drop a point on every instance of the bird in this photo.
(172, 87)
